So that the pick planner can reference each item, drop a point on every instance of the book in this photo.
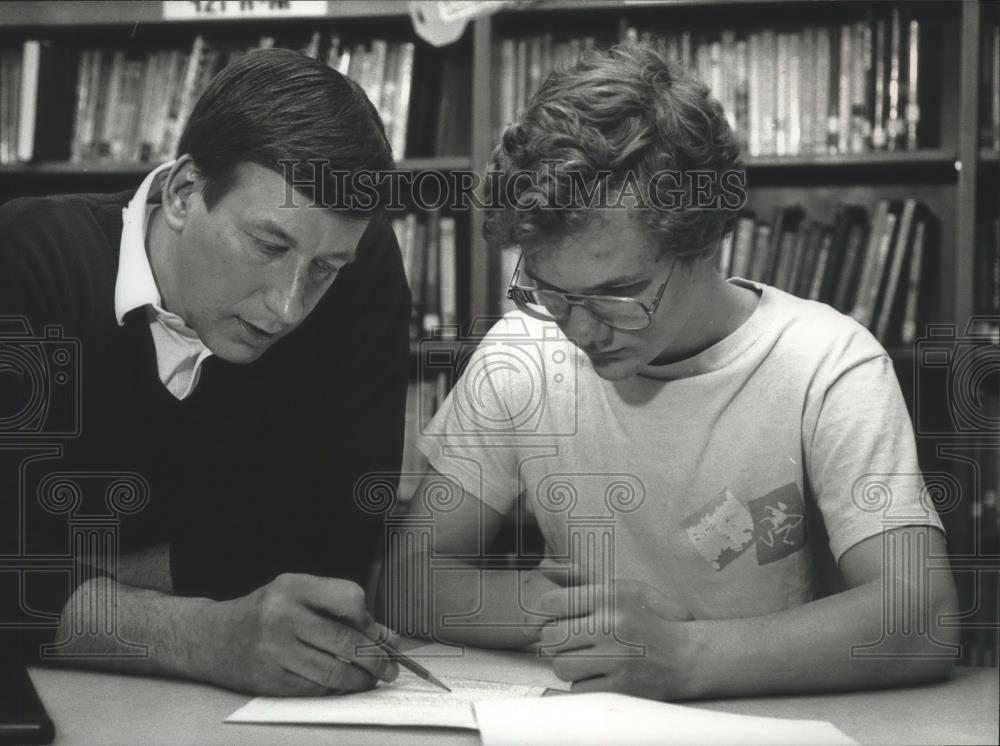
(912, 90)
(880, 243)
(910, 315)
(46, 102)
(878, 104)
(448, 282)
(888, 296)
(401, 115)
(845, 289)
(894, 123)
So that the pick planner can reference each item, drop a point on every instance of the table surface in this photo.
(93, 707)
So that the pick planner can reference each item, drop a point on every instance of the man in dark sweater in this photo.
(201, 373)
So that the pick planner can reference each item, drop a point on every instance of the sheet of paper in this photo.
(487, 665)
(611, 719)
(407, 701)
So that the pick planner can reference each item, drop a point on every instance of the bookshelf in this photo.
(955, 171)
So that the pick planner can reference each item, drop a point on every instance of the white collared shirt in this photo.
(179, 350)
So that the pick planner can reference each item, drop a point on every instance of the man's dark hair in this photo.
(278, 105)
(625, 114)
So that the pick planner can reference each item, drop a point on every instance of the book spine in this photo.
(185, 99)
(909, 330)
(860, 122)
(31, 60)
(899, 253)
(821, 267)
(833, 95)
(912, 90)
(404, 90)
(893, 123)
(878, 115)
(449, 302)
(82, 100)
(821, 84)
(865, 311)
(782, 96)
(844, 88)
(754, 111)
(376, 74)
(869, 258)
(807, 90)
(432, 276)
(508, 93)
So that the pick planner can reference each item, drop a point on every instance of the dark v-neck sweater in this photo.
(251, 476)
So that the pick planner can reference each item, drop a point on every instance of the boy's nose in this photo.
(583, 329)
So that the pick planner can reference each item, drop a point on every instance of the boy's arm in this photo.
(497, 607)
(884, 630)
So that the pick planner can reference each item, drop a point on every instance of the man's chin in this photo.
(236, 352)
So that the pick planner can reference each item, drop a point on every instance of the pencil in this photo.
(407, 662)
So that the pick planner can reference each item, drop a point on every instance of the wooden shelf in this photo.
(903, 158)
(105, 13)
(990, 156)
(107, 168)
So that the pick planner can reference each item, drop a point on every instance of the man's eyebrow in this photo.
(622, 281)
(271, 226)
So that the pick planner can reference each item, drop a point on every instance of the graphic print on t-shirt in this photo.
(725, 528)
(779, 520)
(722, 530)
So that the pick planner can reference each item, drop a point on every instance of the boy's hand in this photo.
(627, 638)
(300, 635)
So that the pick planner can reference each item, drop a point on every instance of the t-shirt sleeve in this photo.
(474, 435)
(861, 458)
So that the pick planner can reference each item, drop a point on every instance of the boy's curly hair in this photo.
(620, 115)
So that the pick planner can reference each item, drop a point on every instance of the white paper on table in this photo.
(611, 719)
(473, 674)
(409, 700)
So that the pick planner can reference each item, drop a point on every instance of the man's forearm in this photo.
(109, 625)
(815, 647)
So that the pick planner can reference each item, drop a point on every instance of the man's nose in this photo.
(285, 296)
(583, 329)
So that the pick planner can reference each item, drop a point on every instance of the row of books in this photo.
(428, 250)
(989, 92)
(986, 289)
(848, 88)
(132, 107)
(870, 268)
(524, 62)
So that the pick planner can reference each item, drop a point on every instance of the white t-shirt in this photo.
(731, 480)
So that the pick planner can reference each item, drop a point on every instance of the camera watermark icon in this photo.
(589, 553)
(962, 369)
(39, 381)
(518, 380)
(908, 565)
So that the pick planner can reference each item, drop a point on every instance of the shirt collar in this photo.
(135, 285)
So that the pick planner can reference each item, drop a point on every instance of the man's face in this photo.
(613, 256)
(249, 271)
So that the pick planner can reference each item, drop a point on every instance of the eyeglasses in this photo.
(627, 314)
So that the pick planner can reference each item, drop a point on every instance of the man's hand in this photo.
(627, 638)
(300, 635)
